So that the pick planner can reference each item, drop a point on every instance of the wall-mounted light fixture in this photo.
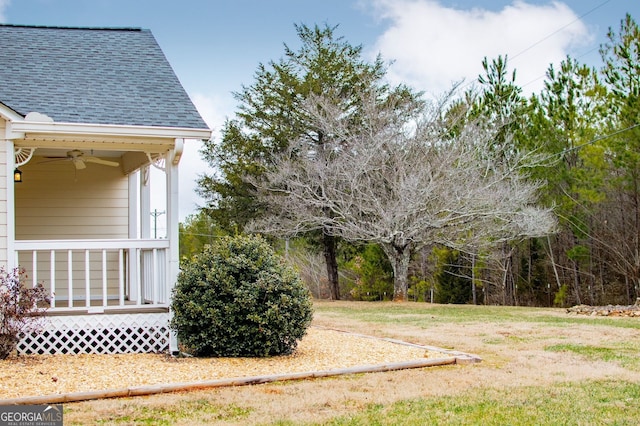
(17, 175)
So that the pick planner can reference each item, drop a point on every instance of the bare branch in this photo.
(396, 174)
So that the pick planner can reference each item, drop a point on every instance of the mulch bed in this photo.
(321, 349)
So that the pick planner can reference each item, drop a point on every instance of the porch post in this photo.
(134, 204)
(10, 208)
(135, 257)
(145, 202)
(173, 255)
(134, 229)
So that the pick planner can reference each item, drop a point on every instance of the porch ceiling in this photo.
(40, 132)
(108, 146)
(130, 154)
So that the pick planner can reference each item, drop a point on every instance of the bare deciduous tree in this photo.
(405, 176)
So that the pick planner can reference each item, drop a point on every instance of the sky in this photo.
(215, 46)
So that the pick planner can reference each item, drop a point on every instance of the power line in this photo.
(200, 235)
(511, 58)
(592, 141)
(559, 29)
(599, 138)
(545, 74)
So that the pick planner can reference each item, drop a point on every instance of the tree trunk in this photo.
(329, 249)
(553, 264)
(473, 279)
(504, 283)
(399, 258)
(576, 281)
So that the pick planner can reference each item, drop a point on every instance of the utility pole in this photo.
(155, 213)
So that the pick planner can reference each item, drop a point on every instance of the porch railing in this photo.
(98, 275)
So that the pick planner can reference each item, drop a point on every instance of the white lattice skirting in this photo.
(100, 334)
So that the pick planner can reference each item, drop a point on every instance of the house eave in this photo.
(8, 114)
(17, 129)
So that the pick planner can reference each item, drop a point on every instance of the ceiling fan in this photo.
(79, 159)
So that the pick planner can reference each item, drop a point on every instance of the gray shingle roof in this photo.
(92, 75)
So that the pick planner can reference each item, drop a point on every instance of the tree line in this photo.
(483, 195)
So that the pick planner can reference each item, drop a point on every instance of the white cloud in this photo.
(433, 46)
(212, 109)
(3, 6)
(191, 166)
(191, 163)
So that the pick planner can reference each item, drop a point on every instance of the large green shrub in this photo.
(238, 298)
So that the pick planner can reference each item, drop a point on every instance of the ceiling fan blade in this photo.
(101, 161)
(79, 164)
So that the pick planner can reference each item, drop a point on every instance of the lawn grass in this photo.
(423, 314)
(196, 411)
(626, 354)
(566, 401)
(587, 403)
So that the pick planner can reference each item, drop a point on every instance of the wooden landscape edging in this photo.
(206, 384)
(450, 357)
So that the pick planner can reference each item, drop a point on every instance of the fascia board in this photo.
(18, 129)
(9, 114)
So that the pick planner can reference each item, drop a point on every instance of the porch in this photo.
(85, 234)
(98, 276)
(108, 296)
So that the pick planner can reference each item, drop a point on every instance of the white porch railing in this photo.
(98, 275)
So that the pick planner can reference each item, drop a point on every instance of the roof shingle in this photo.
(92, 75)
